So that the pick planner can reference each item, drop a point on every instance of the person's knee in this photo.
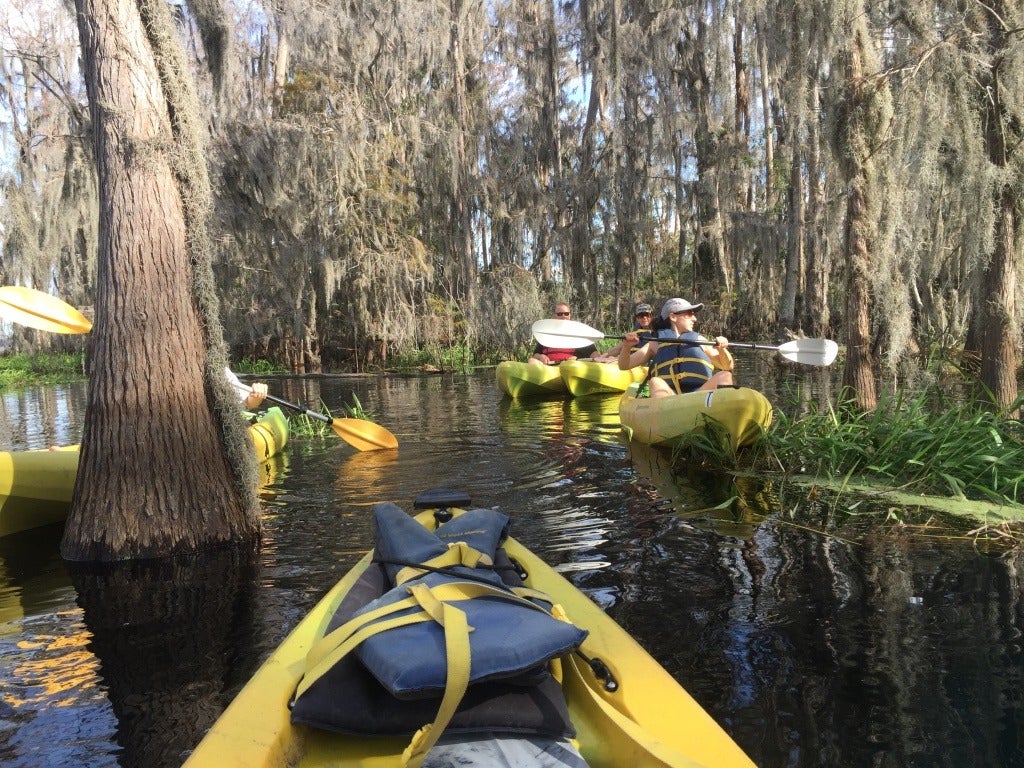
(660, 388)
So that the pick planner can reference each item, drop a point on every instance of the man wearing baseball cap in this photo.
(643, 317)
(680, 368)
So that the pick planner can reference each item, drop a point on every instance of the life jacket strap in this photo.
(346, 638)
(459, 553)
(337, 644)
(456, 646)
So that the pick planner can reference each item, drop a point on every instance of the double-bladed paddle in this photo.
(35, 309)
(552, 332)
(361, 434)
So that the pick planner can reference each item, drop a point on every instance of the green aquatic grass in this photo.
(257, 367)
(920, 443)
(301, 425)
(21, 370)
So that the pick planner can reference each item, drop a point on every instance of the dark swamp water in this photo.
(862, 646)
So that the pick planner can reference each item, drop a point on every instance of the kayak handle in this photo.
(601, 671)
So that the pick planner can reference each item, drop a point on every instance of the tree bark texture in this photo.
(1000, 335)
(154, 476)
(858, 374)
(998, 304)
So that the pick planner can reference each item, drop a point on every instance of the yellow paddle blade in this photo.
(363, 435)
(36, 309)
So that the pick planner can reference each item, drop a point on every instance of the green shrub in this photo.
(21, 370)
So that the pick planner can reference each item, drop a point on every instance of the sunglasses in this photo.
(687, 313)
(562, 314)
(642, 314)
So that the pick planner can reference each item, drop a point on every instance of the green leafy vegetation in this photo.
(302, 425)
(257, 367)
(925, 465)
(920, 444)
(22, 370)
(435, 357)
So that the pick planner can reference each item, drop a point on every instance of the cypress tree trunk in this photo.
(999, 287)
(865, 107)
(154, 476)
(1003, 135)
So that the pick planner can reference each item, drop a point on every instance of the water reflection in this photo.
(39, 417)
(166, 636)
(33, 579)
(814, 642)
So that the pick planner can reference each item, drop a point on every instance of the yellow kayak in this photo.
(587, 377)
(36, 486)
(518, 379)
(744, 413)
(636, 715)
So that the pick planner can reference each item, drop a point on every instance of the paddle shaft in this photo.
(293, 406)
(361, 434)
(700, 342)
(300, 409)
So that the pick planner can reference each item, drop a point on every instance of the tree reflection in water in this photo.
(815, 634)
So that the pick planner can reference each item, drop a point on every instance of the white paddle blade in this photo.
(810, 351)
(566, 334)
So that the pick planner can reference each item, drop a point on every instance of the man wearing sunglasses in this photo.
(680, 368)
(643, 317)
(554, 355)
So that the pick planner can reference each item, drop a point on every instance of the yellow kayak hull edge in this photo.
(649, 721)
(517, 379)
(745, 414)
(36, 486)
(587, 377)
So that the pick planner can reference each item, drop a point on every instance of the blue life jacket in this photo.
(410, 660)
(382, 666)
(684, 367)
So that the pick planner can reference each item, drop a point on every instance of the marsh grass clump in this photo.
(302, 425)
(920, 444)
(709, 448)
(258, 367)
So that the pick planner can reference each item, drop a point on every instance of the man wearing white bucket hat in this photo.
(680, 368)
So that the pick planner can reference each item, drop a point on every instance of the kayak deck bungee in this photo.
(517, 379)
(625, 708)
(36, 486)
(742, 412)
(589, 377)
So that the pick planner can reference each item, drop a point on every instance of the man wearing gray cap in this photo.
(643, 316)
(680, 368)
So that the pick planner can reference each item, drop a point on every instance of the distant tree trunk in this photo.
(998, 306)
(711, 278)
(861, 119)
(1003, 134)
(462, 222)
(788, 316)
(816, 313)
(858, 375)
(155, 476)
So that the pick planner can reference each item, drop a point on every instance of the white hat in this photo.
(677, 305)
